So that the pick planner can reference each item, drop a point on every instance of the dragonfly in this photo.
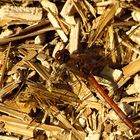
(81, 68)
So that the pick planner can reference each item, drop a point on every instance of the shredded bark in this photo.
(43, 99)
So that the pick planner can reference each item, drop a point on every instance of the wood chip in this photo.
(45, 93)
(9, 13)
(131, 68)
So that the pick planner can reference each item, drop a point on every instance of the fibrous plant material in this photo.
(69, 70)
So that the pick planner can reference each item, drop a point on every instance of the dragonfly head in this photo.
(62, 56)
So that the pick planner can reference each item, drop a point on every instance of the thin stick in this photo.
(120, 113)
(4, 66)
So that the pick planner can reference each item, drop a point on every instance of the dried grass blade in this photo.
(60, 95)
(112, 44)
(61, 117)
(12, 112)
(130, 99)
(42, 24)
(66, 96)
(106, 17)
(4, 66)
(131, 68)
(7, 89)
(38, 70)
(41, 31)
(90, 7)
(78, 7)
(131, 46)
(23, 128)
